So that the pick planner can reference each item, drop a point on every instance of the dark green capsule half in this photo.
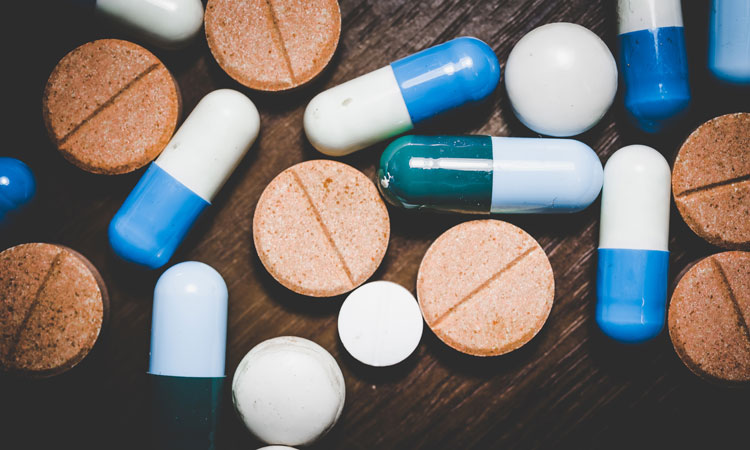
(445, 173)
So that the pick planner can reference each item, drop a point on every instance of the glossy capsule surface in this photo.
(17, 187)
(653, 62)
(483, 174)
(187, 356)
(395, 98)
(183, 180)
(165, 23)
(631, 284)
(729, 41)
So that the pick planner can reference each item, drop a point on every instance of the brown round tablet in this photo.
(110, 106)
(709, 316)
(711, 181)
(53, 303)
(485, 287)
(320, 228)
(273, 45)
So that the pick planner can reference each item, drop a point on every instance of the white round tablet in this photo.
(277, 447)
(288, 391)
(561, 79)
(380, 323)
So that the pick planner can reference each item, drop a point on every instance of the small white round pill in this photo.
(380, 323)
(561, 79)
(288, 391)
(277, 447)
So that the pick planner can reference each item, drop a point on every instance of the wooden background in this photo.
(569, 387)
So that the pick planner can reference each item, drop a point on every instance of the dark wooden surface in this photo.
(569, 387)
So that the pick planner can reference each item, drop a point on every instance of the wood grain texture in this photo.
(569, 387)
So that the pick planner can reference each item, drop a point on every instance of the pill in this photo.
(631, 283)
(380, 323)
(17, 187)
(110, 106)
(186, 361)
(395, 98)
(709, 316)
(169, 24)
(561, 79)
(485, 287)
(711, 181)
(320, 228)
(729, 41)
(273, 45)
(54, 305)
(180, 184)
(483, 174)
(653, 62)
(288, 391)
(277, 447)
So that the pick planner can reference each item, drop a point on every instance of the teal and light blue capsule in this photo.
(483, 174)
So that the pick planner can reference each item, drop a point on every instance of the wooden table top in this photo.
(569, 387)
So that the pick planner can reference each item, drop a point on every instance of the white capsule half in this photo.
(635, 200)
(636, 15)
(164, 23)
(206, 149)
(189, 324)
(356, 114)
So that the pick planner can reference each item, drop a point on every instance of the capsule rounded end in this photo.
(392, 176)
(17, 185)
(631, 293)
(485, 73)
(653, 116)
(591, 176)
(188, 331)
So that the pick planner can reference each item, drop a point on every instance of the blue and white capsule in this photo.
(729, 41)
(168, 24)
(184, 179)
(17, 187)
(187, 357)
(395, 98)
(631, 283)
(653, 62)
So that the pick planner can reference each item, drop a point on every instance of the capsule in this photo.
(483, 174)
(393, 99)
(184, 179)
(17, 187)
(168, 24)
(729, 41)
(653, 62)
(631, 278)
(186, 362)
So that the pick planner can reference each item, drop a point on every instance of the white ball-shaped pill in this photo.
(288, 391)
(561, 79)
(380, 323)
(277, 447)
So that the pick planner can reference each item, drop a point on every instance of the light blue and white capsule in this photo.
(729, 41)
(653, 62)
(17, 187)
(395, 98)
(168, 24)
(183, 180)
(633, 236)
(187, 357)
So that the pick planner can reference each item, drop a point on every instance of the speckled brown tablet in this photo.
(272, 45)
(53, 303)
(320, 228)
(709, 316)
(711, 181)
(110, 106)
(485, 287)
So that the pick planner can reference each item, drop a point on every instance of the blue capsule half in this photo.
(17, 187)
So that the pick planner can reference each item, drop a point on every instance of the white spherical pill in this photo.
(561, 79)
(380, 323)
(288, 391)
(277, 447)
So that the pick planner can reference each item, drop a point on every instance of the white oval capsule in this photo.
(164, 23)
(288, 391)
(184, 179)
(633, 238)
